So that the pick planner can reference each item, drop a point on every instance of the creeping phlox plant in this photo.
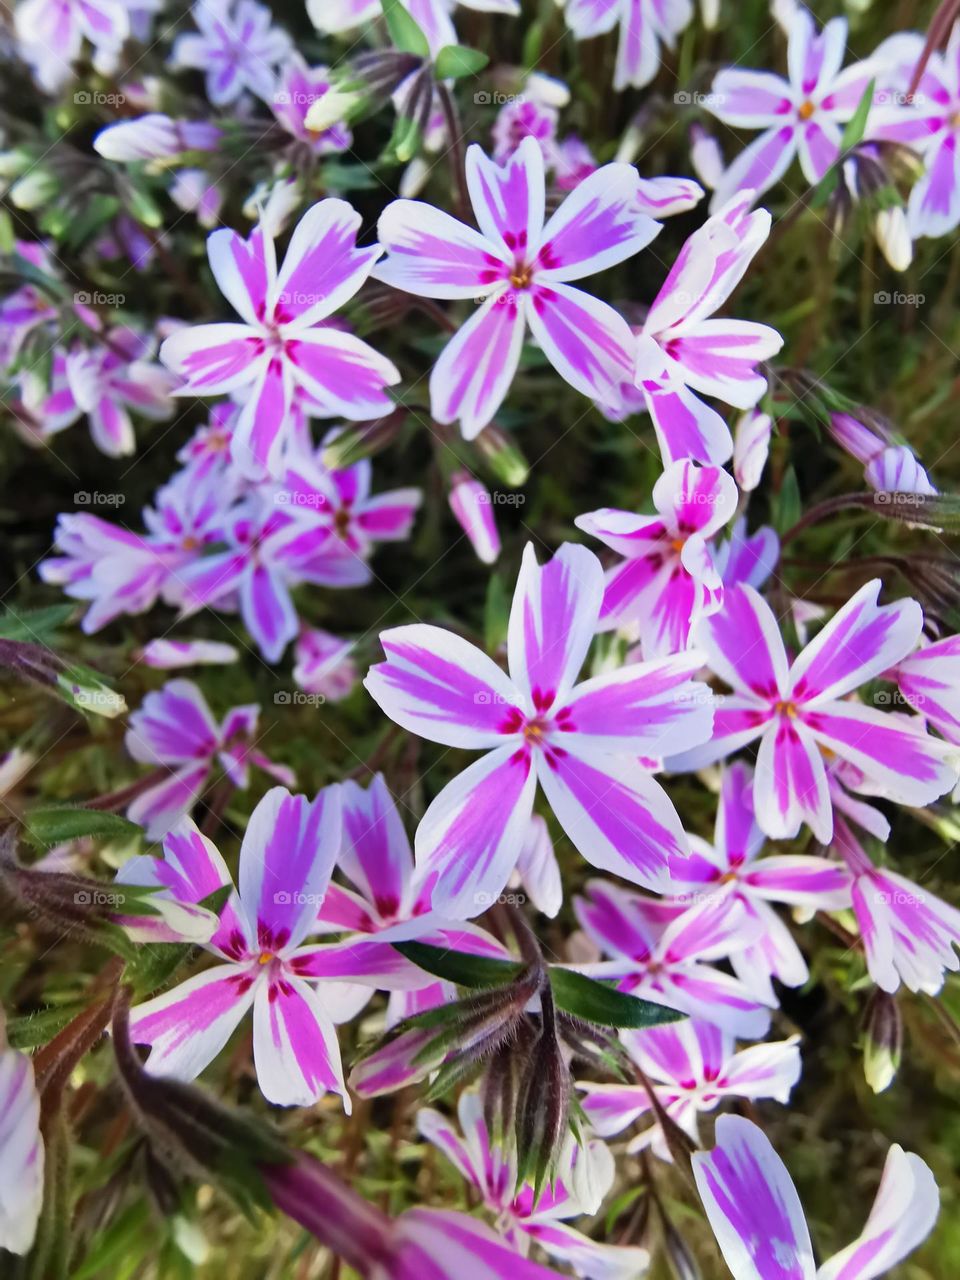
(481, 698)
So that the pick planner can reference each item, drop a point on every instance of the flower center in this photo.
(521, 276)
(788, 709)
(264, 957)
(341, 522)
(806, 109)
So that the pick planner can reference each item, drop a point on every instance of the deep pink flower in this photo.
(731, 871)
(580, 741)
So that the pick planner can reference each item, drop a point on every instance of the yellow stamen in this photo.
(264, 957)
(788, 709)
(806, 110)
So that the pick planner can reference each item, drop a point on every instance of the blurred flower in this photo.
(472, 505)
(324, 665)
(238, 48)
(645, 26)
(174, 728)
(21, 1150)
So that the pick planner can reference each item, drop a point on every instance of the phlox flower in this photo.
(585, 1175)
(751, 448)
(265, 554)
(119, 571)
(298, 88)
(802, 115)
(339, 506)
(51, 35)
(27, 308)
(284, 342)
(525, 117)
(887, 468)
(756, 1215)
(21, 1150)
(519, 270)
(174, 728)
(106, 381)
(324, 665)
(432, 16)
(801, 710)
(288, 852)
(909, 934)
(660, 951)
(693, 1066)
(573, 163)
(387, 898)
(667, 579)
(683, 352)
(237, 47)
(927, 122)
(645, 26)
(580, 741)
(730, 871)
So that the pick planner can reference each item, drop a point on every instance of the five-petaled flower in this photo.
(582, 742)
(801, 711)
(519, 270)
(284, 342)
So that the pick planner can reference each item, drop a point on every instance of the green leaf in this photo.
(456, 966)
(48, 825)
(405, 32)
(456, 61)
(34, 624)
(789, 505)
(35, 1029)
(856, 126)
(597, 1002)
(496, 613)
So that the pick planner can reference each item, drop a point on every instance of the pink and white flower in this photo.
(288, 853)
(756, 1215)
(298, 88)
(324, 664)
(927, 122)
(175, 729)
(731, 871)
(107, 381)
(587, 1174)
(909, 934)
(519, 270)
(802, 115)
(21, 1150)
(661, 952)
(646, 26)
(51, 35)
(237, 47)
(580, 741)
(668, 578)
(284, 343)
(751, 448)
(338, 505)
(683, 353)
(799, 710)
(693, 1066)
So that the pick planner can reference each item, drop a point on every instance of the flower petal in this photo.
(21, 1152)
(598, 225)
(476, 367)
(790, 783)
(586, 341)
(434, 255)
(295, 1046)
(752, 1205)
(323, 268)
(438, 685)
(187, 1026)
(508, 201)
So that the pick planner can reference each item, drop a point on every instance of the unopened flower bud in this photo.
(882, 1040)
(472, 505)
